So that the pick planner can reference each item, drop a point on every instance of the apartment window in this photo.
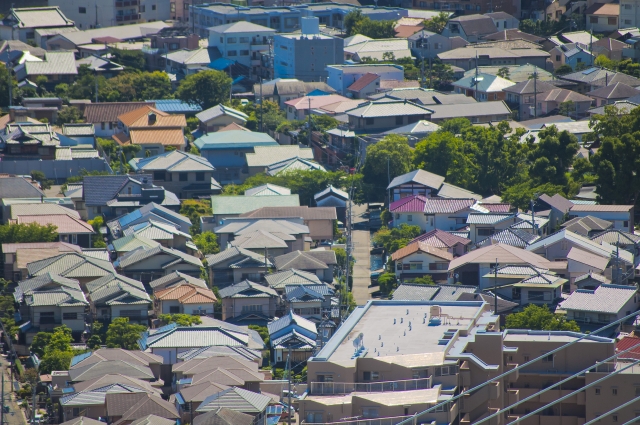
(232, 53)
(76, 411)
(249, 308)
(369, 121)
(370, 412)
(627, 6)
(244, 39)
(174, 309)
(614, 391)
(244, 53)
(186, 6)
(614, 418)
(603, 318)
(593, 19)
(613, 20)
(82, 10)
(525, 358)
(325, 333)
(184, 177)
(409, 217)
(69, 316)
(153, 7)
(172, 7)
(143, 8)
(438, 266)
(200, 176)
(548, 358)
(627, 21)
(232, 40)
(597, 391)
(637, 391)
(440, 408)
(370, 376)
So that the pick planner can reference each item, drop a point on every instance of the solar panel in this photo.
(589, 71)
(124, 221)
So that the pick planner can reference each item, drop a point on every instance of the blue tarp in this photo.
(221, 63)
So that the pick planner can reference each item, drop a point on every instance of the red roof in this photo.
(444, 205)
(497, 208)
(626, 343)
(441, 239)
(413, 203)
(363, 82)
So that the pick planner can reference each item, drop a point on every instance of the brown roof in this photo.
(315, 213)
(600, 208)
(609, 44)
(26, 256)
(363, 82)
(164, 136)
(223, 416)
(557, 201)
(404, 31)
(60, 246)
(64, 223)
(514, 34)
(526, 87)
(109, 112)
(233, 126)
(186, 294)
(395, 84)
(424, 247)
(605, 9)
(564, 95)
(476, 24)
(614, 91)
(149, 405)
(117, 404)
(140, 118)
(201, 391)
(505, 254)
(441, 239)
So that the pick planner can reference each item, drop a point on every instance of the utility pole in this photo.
(96, 15)
(430, 74)
(2, 398)
(389, 181)
(230, 76)
(289, 383)
(535, 91)
(10, 69)
(422, 56)
(33, 403)
(309, 123)
(261, 103)
(591, 45)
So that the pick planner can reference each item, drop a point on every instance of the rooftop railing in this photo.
(332, 388)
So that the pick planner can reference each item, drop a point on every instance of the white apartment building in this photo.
(241, 42)
(108, 13)
(629, 13)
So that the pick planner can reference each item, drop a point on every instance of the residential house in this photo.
(558, 208)
(602, 305)
(611, 94)
(266, 157)
(590, 281)
(100, 66)
(149, 360)
(291, 164)
(118, 296)
(593, 78)
(48, 301)
(125, 409)
(19, 187)
(292, 334)
(152, 130)
(68, 228)
(22, 23)
(168, 40)
(587, 226)
(420, 259)
(188, 398)
(622, 216)
(503, 20)
(379, 115)
(78, 134)
(483, 225)
(18, 255)
(111, 195)
(226, 152)
(471, 268)
(620, 238)
(241, 42)
(305, 56)
(267, 189)
(113, 15)
(177, 106)
(222, 416)
(171, 340)
(71, 265)
(432, 213)
(611, 48)
(147, 264)
(341, 77)
(58, 67)
(218, 359)
(321, 262)
(570, 54)
(465, 57)
(28, 141)
(164, 234)
(219, 116)
(483, 87)
(549, 103)
(513, 34)
(313, 302)
(523, 97)
(184, 299)
(233, 228)
(470, 27)
(187, 175)
(319, 219)
(149, 213)
(378, 49)
(603, 18)
(104, 116)
(280, 90)
(281, 279)
(364, 86)
(239, 400)
(248, 302)
(300, 108)
(513, 236)
(234, 264)
(417, 182)
(474, 112)
(333, 197)
(185, 62)
(233, 206)
(427, 44)
(527, 285)
(175, 279)
(447, 241)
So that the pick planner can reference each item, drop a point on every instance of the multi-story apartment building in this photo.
(283, 19)
(467, 7)
(242, 42)
(395, 359)
(108, 13)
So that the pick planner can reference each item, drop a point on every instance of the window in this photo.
(399, 120)
(244, 39)
(597, 391)
(486, 232)
(69, 316)
(232, 53)
(548, 358)
(231, 40)
(184, 177)
(614, 418)
(539, 296)
(627, 21)
(409, 217)
(250, 308)
(526, 358)
(200, 176)
(438, 266)
(82, 10)
(625, 224)
(614, 391)
(159, 175)
(495, 96)
(627, 6)
(612, 20)
(603, 318)
(172, 7)
(153, 7)
(174, 309)
(325, 333)
(593, 19)
(47, 317)
(143, 8)
(186, 6)
(76, 411)
(370, 376)
(244, 53)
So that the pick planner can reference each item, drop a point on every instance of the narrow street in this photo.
(361, 242)
(15, 415)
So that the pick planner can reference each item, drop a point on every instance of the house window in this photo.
(614, 418)
(244, 39)
(69, 316)
(597, 391)
(250, 308)
(159, 175)
(47, 318)
(231, 40)
(244, 53)
(153, 7)
(82, 10)
(232, 53)
(625, 224)
(370, 376)
(593, 19)
(370, 412)
(603, 318)
(486, 232)
(174, 309)
(76, 411)
(184, 177)
(548, 358)
(627, 6)
(325, 378)
(558, 58)
(438, 266)
(614, 391)
(200, 176)
(172, 7)
(409, 217)
(612, 20)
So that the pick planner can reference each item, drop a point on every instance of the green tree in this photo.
(552, 156)
(398, 237)
(519, 195)
(69, 114)
(563, 70)
(387, 282)
(55, 360)
(616, 166)
(194, 209)
(437, 23)
(384, 161)
(567, 108)
(4, 85)
(122, 334)
(503, 72)
(60, 339)
(423, 280)
(57, 353)
(40, 342)
(357, 23)
(41, 178)
(153, 85)
(94, 342)
(97, 241)
(129, 58)
(206, 88)
(540, 318)
(181, 319)
(263, 332)
(31, 232)
(207, 243)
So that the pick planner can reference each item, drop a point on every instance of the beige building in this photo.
(249, 301)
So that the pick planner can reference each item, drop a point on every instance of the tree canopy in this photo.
(31, 232)
(385, 160)
(181, 319)
(357, 23)
(540, 318)
(54, 349)
(206, 88)
(122, 334)
(207, 243)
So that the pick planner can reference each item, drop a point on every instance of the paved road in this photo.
(15, 415)
(362, 268)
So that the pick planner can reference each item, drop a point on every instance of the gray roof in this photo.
(614, 91)
(18, 187)
(420, 292)
(480, 109)
(389, 109)
(199, 336)
(557, 201)
(153, 420)
(47, 281)
(616, 237)
(306, 260)
(222, 416)
(219, 110)
(236, 399)
(585, 225)
(78, 129)
(267, 189)
(236, 205)
(176, 278)
(331, 191)
(125, 32)
(263, 156)
(175, 161)
(141, 254)
(243, 353)
(40, 17)
(491, 218)
(604, 299)
(98, 190)
(291, 319)
(112, 279)
(108, 367)
(302, 293)
(233, 253)
(422, 177)
(55, 63)
(81, 420)
(247, 289)
(448, 190)
(513, 237)
(241, 26)
(291, 277)
(420, 127)
(71, 265)
(476, 24)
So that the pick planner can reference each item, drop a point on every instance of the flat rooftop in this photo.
(412, 333)
(516, 335)
(390, 398)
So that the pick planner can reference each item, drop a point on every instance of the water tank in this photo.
(310, 25)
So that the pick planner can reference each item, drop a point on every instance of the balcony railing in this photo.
(331, 388)
(361, 421)
(126, 3)
(133, 17)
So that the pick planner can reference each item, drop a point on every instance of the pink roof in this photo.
(626, 343)
(413, 203)
(441, 239)
(316, 101)
(497, 208)
(64, 223)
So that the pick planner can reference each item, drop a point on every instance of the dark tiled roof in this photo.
(556, 201)
(98, 190)
(108, 112)
(18, 187)
(614, 91)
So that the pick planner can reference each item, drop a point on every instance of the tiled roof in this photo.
(447, 206)
(222, 416)
(305, 260)
(422, 177)
(513, 34)
(149, 405)
(291, 319)
(197, 337)
(172, 161)
(267, 189)
(585, 225)
(55, 63)
(247, 289)
(601, 208)
(626, 343)
(414, 203)
(469, 110)
(236, 399)
(109, 111)
(81, 420)
(505, 254)
(604, 299)
(490, 83)
(363, 82)
(71, 265)
(612, 236)
(240, 27)
(591, 276)
(233, 127)
(234, 253)
(496, 208)
(527, 87)
(130, 356)
(106, 367)
(374, 109)
(40, 209)
(514, 237)
(302, 103)
(603, 9)
(614, 91)
(176, 278)
(176, 106)
(450, 191)
(491, 218)
(291, 277)
(220, 110)
(150, 136)
(315, 213)
(98, 190)
(141, 254)
(423, 247)
(293, 164)
(131, 242)
(186, 294)
(18, 187)
(63, 223)
(441, 239)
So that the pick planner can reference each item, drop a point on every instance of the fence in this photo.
(331, 388)
(360, 421)
(57, 170)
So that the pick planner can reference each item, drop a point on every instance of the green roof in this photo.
(230, 205)
(131, 242)
(234, 139)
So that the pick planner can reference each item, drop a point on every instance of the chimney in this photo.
(152, 118)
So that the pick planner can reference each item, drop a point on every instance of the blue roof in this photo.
(176, 106)
(80, 357)
(221, 63)
(234, 139)
(318, 92)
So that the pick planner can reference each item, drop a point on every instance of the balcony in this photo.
(126, 3)
(360, 421)
(549, 420)
(513, 376)
(127, 18)
(335, 388)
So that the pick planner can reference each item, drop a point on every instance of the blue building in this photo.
(226, 151)
(295, 332)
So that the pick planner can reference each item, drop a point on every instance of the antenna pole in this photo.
(495, 288)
